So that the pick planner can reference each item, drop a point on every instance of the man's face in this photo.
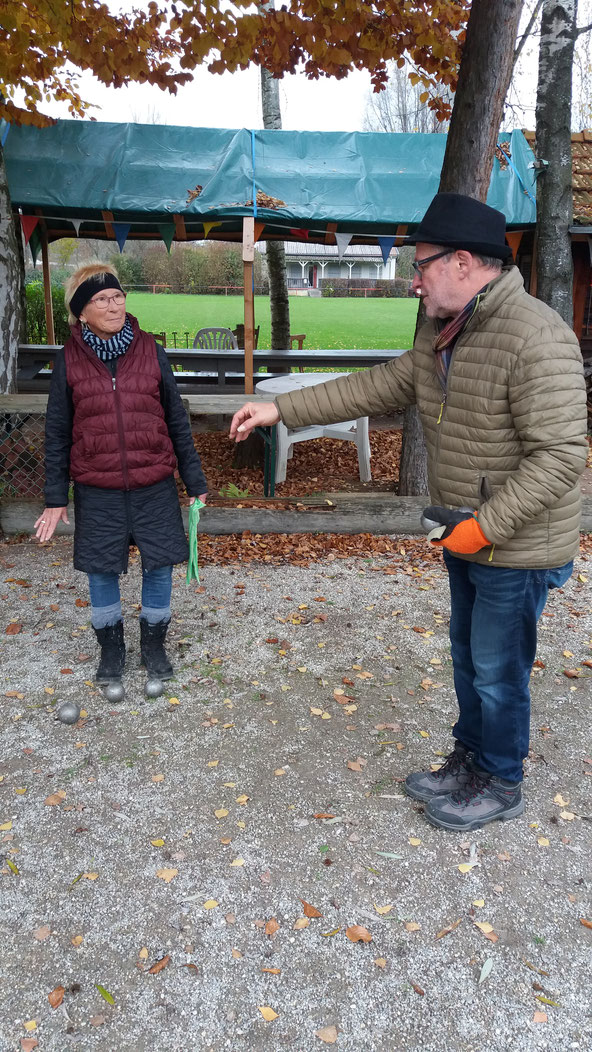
(438, 285)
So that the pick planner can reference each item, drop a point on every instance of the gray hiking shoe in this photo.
(452, 775)
(482, 799)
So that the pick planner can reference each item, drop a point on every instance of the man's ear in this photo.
(464, 260)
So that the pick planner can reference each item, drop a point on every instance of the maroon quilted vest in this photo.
(119, 435)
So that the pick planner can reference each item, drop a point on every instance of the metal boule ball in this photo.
(114, 691)
(68, 712)
(154, 688)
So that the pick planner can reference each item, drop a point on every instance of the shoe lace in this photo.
(452, 765)
(474, 786)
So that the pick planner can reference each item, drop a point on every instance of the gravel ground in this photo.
(131, 865)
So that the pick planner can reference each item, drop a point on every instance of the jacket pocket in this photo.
(485, 490)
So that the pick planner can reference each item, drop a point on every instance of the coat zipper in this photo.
(121, 434)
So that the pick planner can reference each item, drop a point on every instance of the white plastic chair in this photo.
(349, 431)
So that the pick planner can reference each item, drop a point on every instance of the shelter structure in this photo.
(121, 181)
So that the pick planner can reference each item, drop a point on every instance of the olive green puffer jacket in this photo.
(508, 437)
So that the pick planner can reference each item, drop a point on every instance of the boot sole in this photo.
(424, 797)
(478, 823)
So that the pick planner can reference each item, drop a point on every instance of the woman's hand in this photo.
(253, 414)
(203, 497)
(47, 522)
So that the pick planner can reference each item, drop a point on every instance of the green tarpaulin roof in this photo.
(147, 176)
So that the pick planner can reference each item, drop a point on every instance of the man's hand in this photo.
(202, 497)
(457, 530)
(47, 522)
(253, 414)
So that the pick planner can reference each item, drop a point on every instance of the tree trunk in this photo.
(250, 452)
(553, 145)
(10, 289)
(484, 76)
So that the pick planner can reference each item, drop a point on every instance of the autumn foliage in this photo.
(41, 40)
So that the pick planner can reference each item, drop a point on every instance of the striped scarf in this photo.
(112, 348)
(445, 341)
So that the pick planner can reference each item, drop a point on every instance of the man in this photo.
(497, 377)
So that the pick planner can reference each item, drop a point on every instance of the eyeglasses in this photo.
(417, 264)
(102, 302)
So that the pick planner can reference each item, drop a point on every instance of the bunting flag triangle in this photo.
(121, 230)
(35, 246)
(28, 223)
(209, 226)
(386, 243)
(76, 224)
(300, 234)
(167, 233)
(259, 228)
(514, 237)
(343, 241)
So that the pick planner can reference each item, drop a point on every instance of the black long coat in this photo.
(109, 520)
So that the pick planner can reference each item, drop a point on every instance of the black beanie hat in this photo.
(89, 288)
(457, 221)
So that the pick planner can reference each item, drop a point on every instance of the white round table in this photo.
(292, 381)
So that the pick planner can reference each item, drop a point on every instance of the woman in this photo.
(116, 426)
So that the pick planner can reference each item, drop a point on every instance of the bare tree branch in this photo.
(583, 29)
(526, 33)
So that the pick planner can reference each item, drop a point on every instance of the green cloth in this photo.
(192, 565)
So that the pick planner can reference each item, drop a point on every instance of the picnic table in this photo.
(207, 366)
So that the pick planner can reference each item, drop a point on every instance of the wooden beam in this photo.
(581, 284)
(46, 282)
(108, 219)
(330, 235)
(400, 235)
(180, 231)
(248, 258)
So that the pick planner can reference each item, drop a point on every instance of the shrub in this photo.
(36, 327)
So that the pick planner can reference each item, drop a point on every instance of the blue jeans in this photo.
(105, 596)
(493, 635)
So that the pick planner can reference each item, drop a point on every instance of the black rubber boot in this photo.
(112, 661)
(152, 653)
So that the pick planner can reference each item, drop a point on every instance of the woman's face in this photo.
(105, 313)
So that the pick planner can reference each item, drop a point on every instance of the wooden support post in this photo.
(46, 284)
(248, 257)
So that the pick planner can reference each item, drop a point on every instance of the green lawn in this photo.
(328, 323)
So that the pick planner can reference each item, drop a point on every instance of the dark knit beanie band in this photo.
(89, 288)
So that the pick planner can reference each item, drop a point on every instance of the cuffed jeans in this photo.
(493, 635)
(105, 596)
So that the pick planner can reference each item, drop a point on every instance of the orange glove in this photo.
(459, 531)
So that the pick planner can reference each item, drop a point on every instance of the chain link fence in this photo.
(22, 452)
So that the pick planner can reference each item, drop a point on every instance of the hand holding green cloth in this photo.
(192, 566)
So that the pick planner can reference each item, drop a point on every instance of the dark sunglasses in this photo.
(419, 263)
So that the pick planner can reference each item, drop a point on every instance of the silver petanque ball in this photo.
(68, 712)
(154, 688)
(114, 691)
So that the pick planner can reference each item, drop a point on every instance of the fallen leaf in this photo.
(30, 1025)
(268, 1013)
(302, 922)
(484, 927)
(478, 903)
(324, 814)
(571, 673)
(29, 1043)
(167, 874)
(210, 904)
(159, 842)
(412, 926)
(586, 923)
(380, 962)
(238, 862)
(540, 1017)
(357, 933)
(77, 940)
(105, 994)
(328, 1034)
(221, 812)
(42, 933)
(158, 777)
(55, 798)
(236, 954)
(418, 990)
(56, 996)
(449, 929)
(568, 816)
(272, 926)
(90, 876)
(414, 841)
(4, 828)
(559, 799)
(310, 911)
(97, 1020)
(191, 966)
(543, 841)
(383, 910)
(486, 969)
(13, 630)
(159, 965)
(547, 1001)
(272, 971)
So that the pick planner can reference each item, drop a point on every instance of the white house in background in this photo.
(308, 264)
